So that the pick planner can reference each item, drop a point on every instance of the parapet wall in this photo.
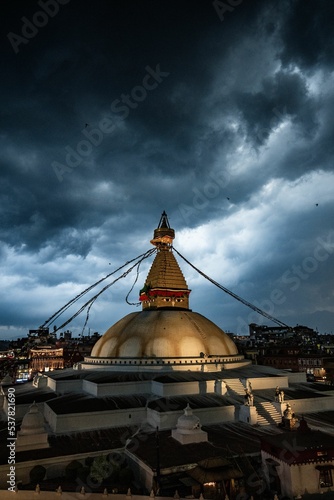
(53, 495)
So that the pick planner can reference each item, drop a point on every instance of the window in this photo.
(325, 478)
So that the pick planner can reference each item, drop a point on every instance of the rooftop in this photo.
(84, 403)
(71, 443)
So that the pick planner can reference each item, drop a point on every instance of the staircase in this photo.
(267, 414)
(235, 386)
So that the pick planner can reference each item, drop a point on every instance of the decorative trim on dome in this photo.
(161, 293)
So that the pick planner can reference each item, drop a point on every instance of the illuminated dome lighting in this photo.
(166, 334)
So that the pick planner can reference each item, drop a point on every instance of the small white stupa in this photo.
(188, 428)
(32, 435)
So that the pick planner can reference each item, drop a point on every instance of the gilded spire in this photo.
(163, 235)
(165, 285)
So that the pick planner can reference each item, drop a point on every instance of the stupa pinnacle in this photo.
(165, 286)
(164, 234)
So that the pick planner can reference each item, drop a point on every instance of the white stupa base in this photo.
(195, 437)
(32, 442)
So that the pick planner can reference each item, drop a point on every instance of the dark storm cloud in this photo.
(307, 34)
(282, 97)
(239, 117)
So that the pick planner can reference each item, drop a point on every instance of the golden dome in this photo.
(164, 333)
(166, 327)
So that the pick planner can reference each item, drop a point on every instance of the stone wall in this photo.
(116, 388)
(310, 405)
(208, 416)
(54, 466)
(52, 495)
(77, 422)
(65, 386)
(182, 388)
(268, 382)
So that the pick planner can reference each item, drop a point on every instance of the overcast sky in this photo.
(220, 113)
